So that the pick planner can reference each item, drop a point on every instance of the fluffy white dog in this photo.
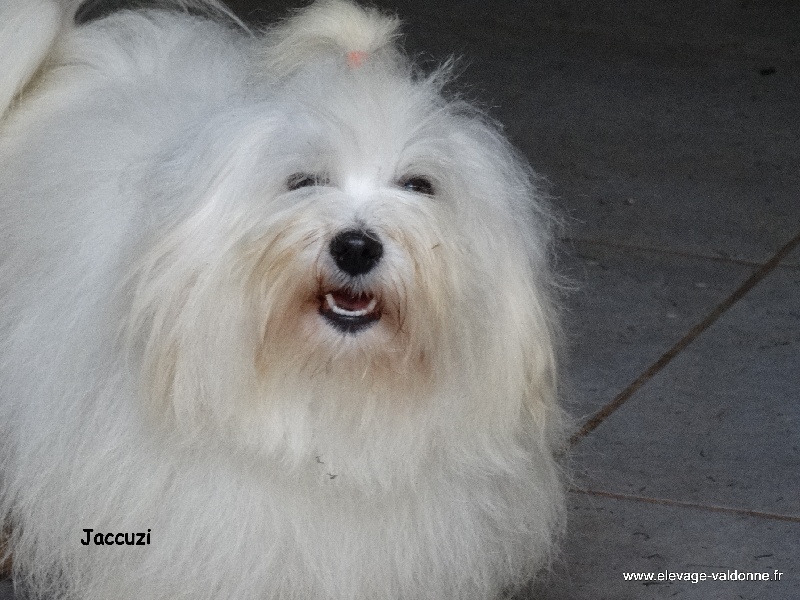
(276, 317)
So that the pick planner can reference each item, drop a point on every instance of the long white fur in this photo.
(162, 362)
(27, 30)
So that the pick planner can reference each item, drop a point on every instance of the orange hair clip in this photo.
(356, 58)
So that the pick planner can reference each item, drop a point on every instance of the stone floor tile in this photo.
(609, 537)
(793, 260)
(719, 424)
(6, 590)
(628, 309)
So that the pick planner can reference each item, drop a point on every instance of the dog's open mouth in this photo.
(348, 312)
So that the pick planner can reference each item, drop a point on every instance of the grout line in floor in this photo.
(669, 252)
(683, 504)
(754, 279)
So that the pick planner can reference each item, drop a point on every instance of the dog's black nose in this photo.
(355, 251)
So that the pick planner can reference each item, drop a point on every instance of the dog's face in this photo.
(349, 243)
(350, 261)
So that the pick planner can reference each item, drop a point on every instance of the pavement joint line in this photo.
(684, 504)
(668, 251)
(754, 279)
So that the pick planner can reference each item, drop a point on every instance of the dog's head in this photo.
(347, 244)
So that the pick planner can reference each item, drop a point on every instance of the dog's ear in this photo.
(339, 29)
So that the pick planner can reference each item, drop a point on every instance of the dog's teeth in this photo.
(331, 302)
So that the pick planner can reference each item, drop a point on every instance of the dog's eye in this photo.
(417, 185)
(301, 180)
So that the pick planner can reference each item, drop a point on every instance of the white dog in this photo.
(276, 318)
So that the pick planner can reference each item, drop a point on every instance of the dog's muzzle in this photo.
(355, 253)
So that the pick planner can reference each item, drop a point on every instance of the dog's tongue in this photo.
(349, 302)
